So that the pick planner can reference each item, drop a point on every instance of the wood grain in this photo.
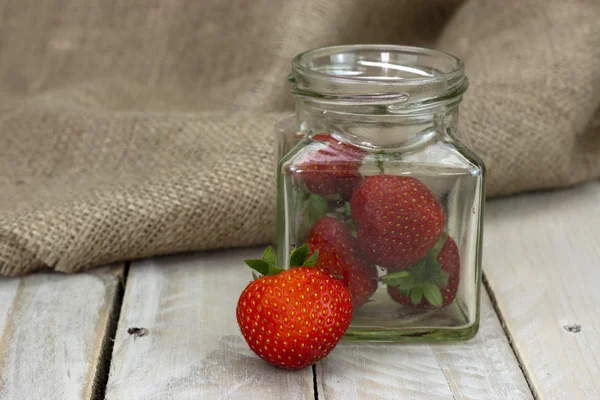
(542, 262)
(54, 328)
(480, 369)
(8, 293)
(193, 348)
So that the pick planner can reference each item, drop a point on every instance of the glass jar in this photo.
(375, 178)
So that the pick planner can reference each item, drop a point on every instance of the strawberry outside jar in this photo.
(375, 179)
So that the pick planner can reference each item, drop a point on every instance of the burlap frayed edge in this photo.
(27, 263)
(17, 260)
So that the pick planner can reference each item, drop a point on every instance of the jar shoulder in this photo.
(446, 152)
(440, 153)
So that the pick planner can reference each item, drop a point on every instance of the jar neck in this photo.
(374, 126)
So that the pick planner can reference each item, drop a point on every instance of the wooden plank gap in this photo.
(315, 382)
(105, 358)
(509, 337)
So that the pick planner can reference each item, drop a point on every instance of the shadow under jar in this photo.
(374, 177)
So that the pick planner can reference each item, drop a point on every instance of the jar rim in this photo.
(377, 74)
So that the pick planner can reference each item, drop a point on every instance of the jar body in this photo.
(394, 205)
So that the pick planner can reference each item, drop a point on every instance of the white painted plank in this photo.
(480, 369)
(542, 261)
(53, 328)
(193, 349)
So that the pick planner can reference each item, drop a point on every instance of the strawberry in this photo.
(432, 282)
(331, 168)
(338, 254)
(398, 219)
(293, 318)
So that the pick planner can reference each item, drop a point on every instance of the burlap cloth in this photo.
(140, 127)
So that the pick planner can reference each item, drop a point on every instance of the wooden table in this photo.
(71, 337)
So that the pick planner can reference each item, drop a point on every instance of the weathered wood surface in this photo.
(193, 348)
(542, 261)
(53, 329)
(484, 368)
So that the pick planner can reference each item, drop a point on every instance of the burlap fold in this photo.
(135, 128)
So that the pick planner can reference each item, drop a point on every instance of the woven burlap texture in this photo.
(143, 127)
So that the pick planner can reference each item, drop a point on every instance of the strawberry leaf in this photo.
(260, 266)
(254, 276)
(312, 260)
(263, 267)
(347, 209)
(432, 294)
(273, 270)
(299, 256)
(442, 279)
(406, 283)
(317, 208)
(269, 256)
(394, 282)
(333, 197)
(416, 295)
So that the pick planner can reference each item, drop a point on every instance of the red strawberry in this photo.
(331, 168)
(295, 318)
(339, 255)
(431, 283)
(398, 219)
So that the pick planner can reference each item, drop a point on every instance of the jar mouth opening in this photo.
(379, 63)
(380, 74)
